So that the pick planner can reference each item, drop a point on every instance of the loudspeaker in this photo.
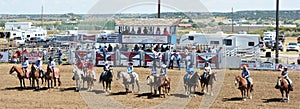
(268, 54)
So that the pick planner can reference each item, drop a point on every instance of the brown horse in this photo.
(283, 87)
(21, 75)
(164, 85)
(34, 76)
(51, 76)
(208, 81)
(244, 87)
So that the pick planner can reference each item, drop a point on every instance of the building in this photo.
(18, 25)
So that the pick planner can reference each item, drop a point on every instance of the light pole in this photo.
(158, 13)
(277, 30)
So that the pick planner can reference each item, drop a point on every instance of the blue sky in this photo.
(138, 6)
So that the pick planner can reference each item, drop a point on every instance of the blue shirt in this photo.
(130, 69)
(190, 69)
(38, 64)
(25, 63)
(163, 71)
(245, 74)
(51, 63)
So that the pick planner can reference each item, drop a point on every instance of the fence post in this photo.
(118, 59)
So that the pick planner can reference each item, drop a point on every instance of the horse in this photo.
(107, 78)
(127, 79)
(159, 82)
(34, 76)
(21, 75)
(208, 81)
(51, 76)
(164, 85)
(77, 76)
(193, 81)
(283, 86)
(90, 80)
(244, 87)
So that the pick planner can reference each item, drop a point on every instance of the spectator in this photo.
(145, 30)
(109, 49)
(139, 31)
(158, 30)
(298, 60)
(166, 32)
(132, 31)
(59, 57)
(116, 47)
(136, 48)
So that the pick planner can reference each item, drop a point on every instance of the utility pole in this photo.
(158, 13)
(277, 30)
(232, 19)
(42, 16)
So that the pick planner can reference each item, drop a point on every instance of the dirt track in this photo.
(265, 96)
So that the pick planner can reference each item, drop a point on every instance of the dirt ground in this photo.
(265, 95)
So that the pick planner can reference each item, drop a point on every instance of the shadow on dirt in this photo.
(26, 88)
(272, 100)
(148, 95)
(232, 99)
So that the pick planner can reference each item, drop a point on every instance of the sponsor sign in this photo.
(144, 39)
(3, 56)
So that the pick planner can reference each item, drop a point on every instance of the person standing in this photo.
(172, 57)
(178, 58)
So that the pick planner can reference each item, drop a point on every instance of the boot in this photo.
(290, 87)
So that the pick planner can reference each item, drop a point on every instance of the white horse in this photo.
(127, 79)
(77, 76)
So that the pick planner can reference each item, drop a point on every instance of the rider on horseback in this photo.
(106, 68)
(90, 66)
(190, 70)
(163, 71)
(51, 65)
(25, 64)
(285, 74)
(38, 65)
(130, 70)
(207, 70)
(246, 75)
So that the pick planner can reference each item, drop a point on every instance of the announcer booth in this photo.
(145, 31)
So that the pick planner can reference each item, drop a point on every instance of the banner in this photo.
(33, 56)
(3, 56)
(144, 39)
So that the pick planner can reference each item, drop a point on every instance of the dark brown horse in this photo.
(21, 75)
(51, 76)
(34, 76)
(209, 80)
(283, 87)
(244, 87)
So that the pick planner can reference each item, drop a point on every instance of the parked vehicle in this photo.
(292, 46)
(268, 42)
(298, 39)
(280, 46)
(262, 46)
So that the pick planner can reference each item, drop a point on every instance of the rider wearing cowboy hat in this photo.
(285, 74)
(106, 68)
(246, 74)
(207, 70)
(51, 64)
(38, 65)
(25, 65)
(130, 70)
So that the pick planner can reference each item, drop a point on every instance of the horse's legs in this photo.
(138, 85)
(211, 90)
(132, 87)
(104, 88)
(21, 83)
(287, 95)
(59, 82)
(282, 99)
(54, 79)
(37, 83)
(24, 82)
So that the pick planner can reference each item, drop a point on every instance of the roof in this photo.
(185, 25)
(146, 22)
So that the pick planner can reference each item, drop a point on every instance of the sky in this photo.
(138, 6)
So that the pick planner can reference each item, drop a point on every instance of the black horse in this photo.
(107, 78)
